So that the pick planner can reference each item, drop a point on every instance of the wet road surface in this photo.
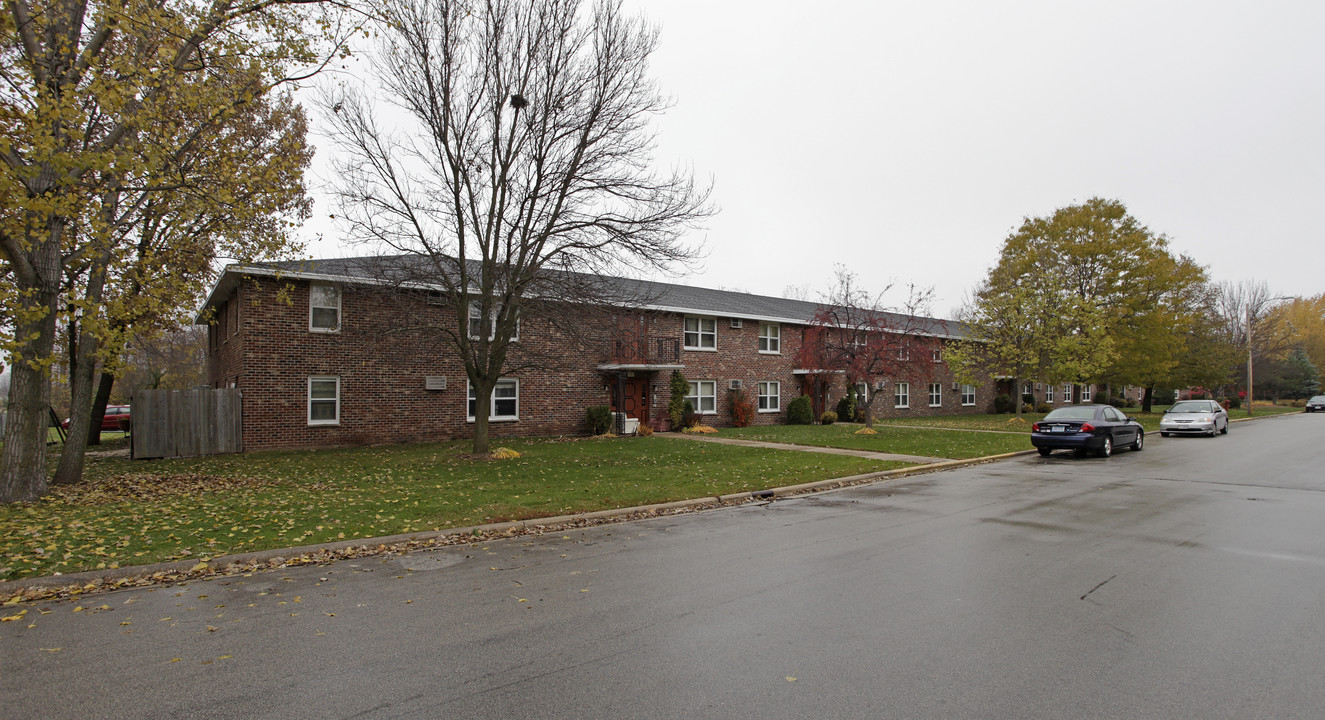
(1184, 581)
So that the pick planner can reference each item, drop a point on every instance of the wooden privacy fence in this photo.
(186, 423)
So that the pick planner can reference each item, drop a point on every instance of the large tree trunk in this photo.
(99, 404)
(70, 469)
(82, 367)
(1017, 395)
(38, 275)
(1146, 399)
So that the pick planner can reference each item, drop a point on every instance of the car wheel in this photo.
(1224, 430)
(1140, 442)
(1044, 452)
(1163, 434)
(1107, 448)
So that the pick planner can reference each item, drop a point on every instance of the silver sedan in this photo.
(1194, 417)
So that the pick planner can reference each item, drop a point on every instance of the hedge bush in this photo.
(799, 412)
(598, 419)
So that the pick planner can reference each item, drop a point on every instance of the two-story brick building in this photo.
(322, 358)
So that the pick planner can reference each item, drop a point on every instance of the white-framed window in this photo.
(323, 308)
(936, 394)
(904, 353)
(770, 396)
(901, 395)
(1087, 392)
(476, 321)
(701, 333)
(936, 355)
(1030, 389)
(968, 395)
(505, 401)
(324, 400)
(1049, 394)
(703, 396)
(1067, 392)
(770, 338)
(863, 391)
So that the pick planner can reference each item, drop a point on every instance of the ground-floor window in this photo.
(770, 396)
(1067, 393)
(968, 395)
(1049, 393)
(324, 400)
(901, 395)
(704, 396)
(935, 394)
(505, 401)
(1086, 393)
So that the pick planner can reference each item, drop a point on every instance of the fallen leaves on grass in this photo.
(700, 430)
(866, 431)
(504, 453)
(145, 486)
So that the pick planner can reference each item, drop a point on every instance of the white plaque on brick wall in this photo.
(434, 382)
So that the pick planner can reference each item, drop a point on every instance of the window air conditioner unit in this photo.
(880, 384)
(1037, 386)
(736, 323)
(434, 382)
(736, 384)
(954, 386)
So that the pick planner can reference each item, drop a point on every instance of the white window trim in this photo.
(476, 310)
(492, 399)
(773, 341)
(309, 407)
(936, 355)
(932, 388)
(694, 399)
(1049, 393)
(1067, 392)
(901, 395)
(776, 387)
(700, 333)
(863, 391)
(1087, 393)
(965, 403)
(340, 315)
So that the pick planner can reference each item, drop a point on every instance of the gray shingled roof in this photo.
(661, 296)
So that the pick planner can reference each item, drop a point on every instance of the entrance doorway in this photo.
(634, 398)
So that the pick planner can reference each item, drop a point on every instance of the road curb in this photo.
(38, 588)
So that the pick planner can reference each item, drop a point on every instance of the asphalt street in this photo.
(1183, 581)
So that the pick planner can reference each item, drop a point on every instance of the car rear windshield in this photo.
(1189, 406)
(1072, 413)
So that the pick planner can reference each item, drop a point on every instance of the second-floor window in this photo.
(476, 322)
(701, 333)
(323, 308)
(770, 338)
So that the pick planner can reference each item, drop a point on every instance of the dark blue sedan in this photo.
(1087, 428)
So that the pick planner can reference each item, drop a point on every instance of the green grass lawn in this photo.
(891, 438)
(137, 512)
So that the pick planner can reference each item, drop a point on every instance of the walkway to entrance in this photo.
(805, 448)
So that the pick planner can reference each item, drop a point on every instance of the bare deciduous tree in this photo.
(857, 334)
(520, 169)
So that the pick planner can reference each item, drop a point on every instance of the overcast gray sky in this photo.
(906, 140)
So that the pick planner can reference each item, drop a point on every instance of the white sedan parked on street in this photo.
(1194, 417)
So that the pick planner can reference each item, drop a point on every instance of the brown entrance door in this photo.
(635, 398)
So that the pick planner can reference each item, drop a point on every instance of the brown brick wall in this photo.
(381, 365)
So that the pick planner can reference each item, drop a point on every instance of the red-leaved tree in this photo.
(855, 334)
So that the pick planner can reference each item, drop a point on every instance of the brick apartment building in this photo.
(322, 358)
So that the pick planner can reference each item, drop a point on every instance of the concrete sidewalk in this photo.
(806, 448)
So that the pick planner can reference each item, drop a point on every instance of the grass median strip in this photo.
(134, 513)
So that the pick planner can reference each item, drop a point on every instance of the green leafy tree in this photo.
(103, 107)
(1122, 300)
